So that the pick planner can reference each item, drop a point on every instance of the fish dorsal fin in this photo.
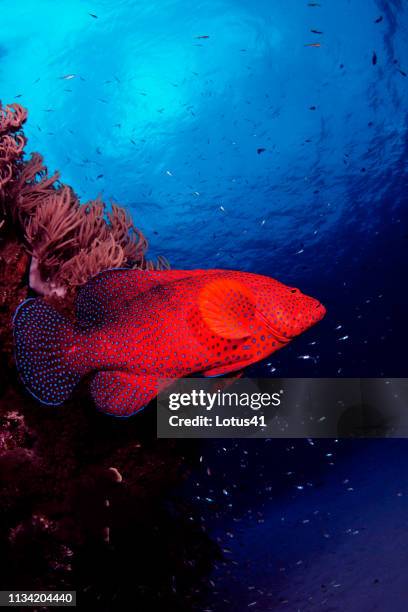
(105, 296)
(228, 308)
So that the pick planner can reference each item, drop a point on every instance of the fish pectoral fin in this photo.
(122, 394)
(228, 308)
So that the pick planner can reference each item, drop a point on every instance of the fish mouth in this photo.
(315, 316)
(320, 312)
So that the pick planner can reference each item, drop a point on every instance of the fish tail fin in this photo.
(46, 352)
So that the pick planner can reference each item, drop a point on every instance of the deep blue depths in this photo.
(246, 149)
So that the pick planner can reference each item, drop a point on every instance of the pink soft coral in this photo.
(12, 142)
(68, 241)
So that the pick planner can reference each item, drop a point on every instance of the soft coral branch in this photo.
(68, 241)
(12, 118)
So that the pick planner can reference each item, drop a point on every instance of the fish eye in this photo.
(294, 290)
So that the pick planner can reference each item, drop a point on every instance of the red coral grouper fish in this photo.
(134, 327)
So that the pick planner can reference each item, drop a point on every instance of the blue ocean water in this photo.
(235, 144)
